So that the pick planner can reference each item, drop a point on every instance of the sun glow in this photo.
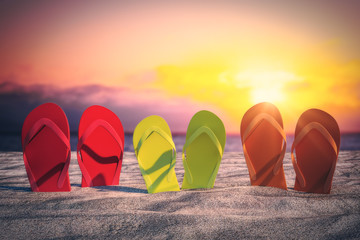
(265, 85)
(266, 95)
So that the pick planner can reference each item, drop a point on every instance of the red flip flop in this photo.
(316, 144)
(100, 147)
(46, 149)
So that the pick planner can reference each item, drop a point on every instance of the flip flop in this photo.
(156, 154)
(316, 143)
(46, 149)
(264, 144)
(100, 147)
(203, 150)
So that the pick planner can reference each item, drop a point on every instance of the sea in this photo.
(10, 142)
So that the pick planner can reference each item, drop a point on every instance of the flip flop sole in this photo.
(46, 153)
(100, 152)
(155, 155)
(264, 146)
(202, 155)
(314, 154)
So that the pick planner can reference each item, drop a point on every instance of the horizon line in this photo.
(173, 133)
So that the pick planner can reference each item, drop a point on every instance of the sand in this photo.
(232, 210)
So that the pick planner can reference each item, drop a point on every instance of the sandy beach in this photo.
(232, 210)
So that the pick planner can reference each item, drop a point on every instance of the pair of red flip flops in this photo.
(47, 153)
(314, 151)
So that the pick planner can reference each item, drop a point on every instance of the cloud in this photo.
(130, 105)
(333, 87)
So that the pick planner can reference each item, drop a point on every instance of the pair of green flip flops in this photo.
(202, 152)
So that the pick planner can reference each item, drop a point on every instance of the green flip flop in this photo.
(156, 154)
(203, 150)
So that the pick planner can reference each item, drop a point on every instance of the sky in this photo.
(174, 58)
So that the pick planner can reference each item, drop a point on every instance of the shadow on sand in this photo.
(121, 189)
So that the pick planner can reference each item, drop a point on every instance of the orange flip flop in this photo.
(264, 144)
(316, 144)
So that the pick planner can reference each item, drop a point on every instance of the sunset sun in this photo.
(267, 95)
(265, 85)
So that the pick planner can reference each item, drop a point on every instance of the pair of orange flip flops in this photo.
(47, 152)
(316, 146)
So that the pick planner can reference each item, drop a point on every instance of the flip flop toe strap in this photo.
(325, 133)
(94, 125)
(247, 133)
(38, 126)
(192, 138)
(164, 135)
